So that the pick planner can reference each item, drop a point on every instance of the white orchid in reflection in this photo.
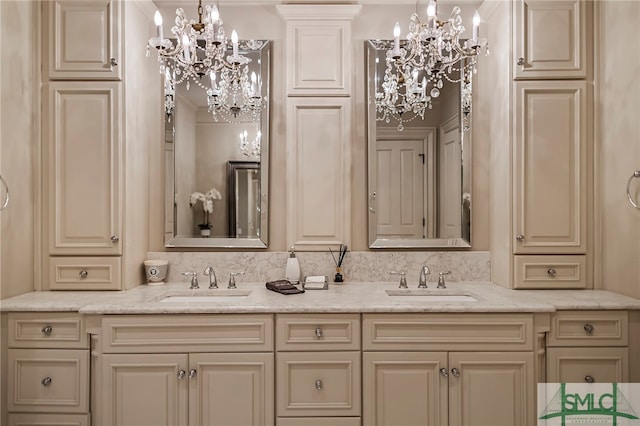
(207, 204)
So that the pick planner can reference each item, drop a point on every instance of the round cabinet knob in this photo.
(520, 237)
(551, 272)
(115, 238)
(589, 379)
(318, 332)
(444, 372)
(46, 330)
(318, 384)
(455, 372)
(192, 373)
(46, 381)
(588, 328)
(83, 273)
(113, 62)
(181, 374)
(520, 61)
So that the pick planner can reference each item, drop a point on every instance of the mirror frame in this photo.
(371, 47)
(264, 47)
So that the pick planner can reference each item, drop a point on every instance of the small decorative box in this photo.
(315, 282)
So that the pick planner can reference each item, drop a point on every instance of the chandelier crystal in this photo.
(250, 149)
(417, 68)
(200, 49)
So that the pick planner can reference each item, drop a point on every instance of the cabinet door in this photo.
(82, 201)
(587, 365)
(491, 388)
(551, 144)
(144, 390)
(82, 39)
(404, 388)
(230, 389)
(551, 39)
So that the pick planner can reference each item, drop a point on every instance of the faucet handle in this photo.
(194, 279)
(213, 281)
(441, 275)
(403, 278)
(232, 279)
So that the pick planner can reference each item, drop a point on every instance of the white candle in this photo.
(431, 14)
(234, 40)
(186, 48)
(215, 17)
(254, 81)
(396, 38)
(157, 18)
(476, 25)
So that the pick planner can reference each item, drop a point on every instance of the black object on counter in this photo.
(283, 287)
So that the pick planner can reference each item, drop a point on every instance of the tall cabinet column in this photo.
(318, 137)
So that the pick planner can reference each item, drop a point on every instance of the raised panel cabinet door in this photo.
(144, 390)
(231, 389)
(491, 388)
(550, 167)
(404, 388)
(551, 39)
(587, 365)
(82, 190)
(82, 39)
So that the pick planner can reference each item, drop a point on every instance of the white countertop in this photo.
(345, 297)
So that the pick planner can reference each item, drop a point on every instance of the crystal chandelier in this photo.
(201, 49)
(417, 68)
(248, 148)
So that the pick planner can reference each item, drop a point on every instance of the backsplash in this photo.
(357, 266)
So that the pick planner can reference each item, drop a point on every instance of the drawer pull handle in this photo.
(46, 381)
(520, 61)
(83, 273)
(520, 237)
(455, 372)
(181, 374)
(319, 384)
(46, 330)
(115, 239)
(444, 372)
(551, 272)
(589, 379)
(588, 328)
(113, 62)
(318, 332)
(192, 373)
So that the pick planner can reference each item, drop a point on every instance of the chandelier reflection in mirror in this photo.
(250, 148)
(200, 51)
(417, 67)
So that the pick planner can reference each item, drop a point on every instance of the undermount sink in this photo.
(199, 296)
(433, 295)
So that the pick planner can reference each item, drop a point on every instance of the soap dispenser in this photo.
(292, 272)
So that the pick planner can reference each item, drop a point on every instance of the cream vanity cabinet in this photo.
(435, 369)
(542, 147)
(47, 370)
(318, 369)
(94, 202)
(588, 346)
(186, 370)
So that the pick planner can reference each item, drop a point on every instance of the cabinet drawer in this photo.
(46, 330)
(168, 333)
(590, 365)
(318, 384)
(39, 419)
(318, 421)
(447, 332)
(589, 328)
(84, 273)
(48, 380)
(537, 272)
(318, 332)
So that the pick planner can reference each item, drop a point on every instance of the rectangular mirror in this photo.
(419, 184)
(219, 163)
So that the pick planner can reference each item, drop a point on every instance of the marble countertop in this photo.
(345, 297)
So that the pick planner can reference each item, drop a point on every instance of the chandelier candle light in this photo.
(417, 68)
(200, 50)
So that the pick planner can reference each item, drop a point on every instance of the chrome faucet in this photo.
(422, 280)
(194, 279)
(213, 281)
(232, 279)
(441, 279)
(403, 279)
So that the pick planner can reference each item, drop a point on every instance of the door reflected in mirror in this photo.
(212, 154)
(418, 168)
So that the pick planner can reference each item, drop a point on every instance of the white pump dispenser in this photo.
(292, 271)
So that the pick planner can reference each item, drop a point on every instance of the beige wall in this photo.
(20, 91)
(618, 146)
